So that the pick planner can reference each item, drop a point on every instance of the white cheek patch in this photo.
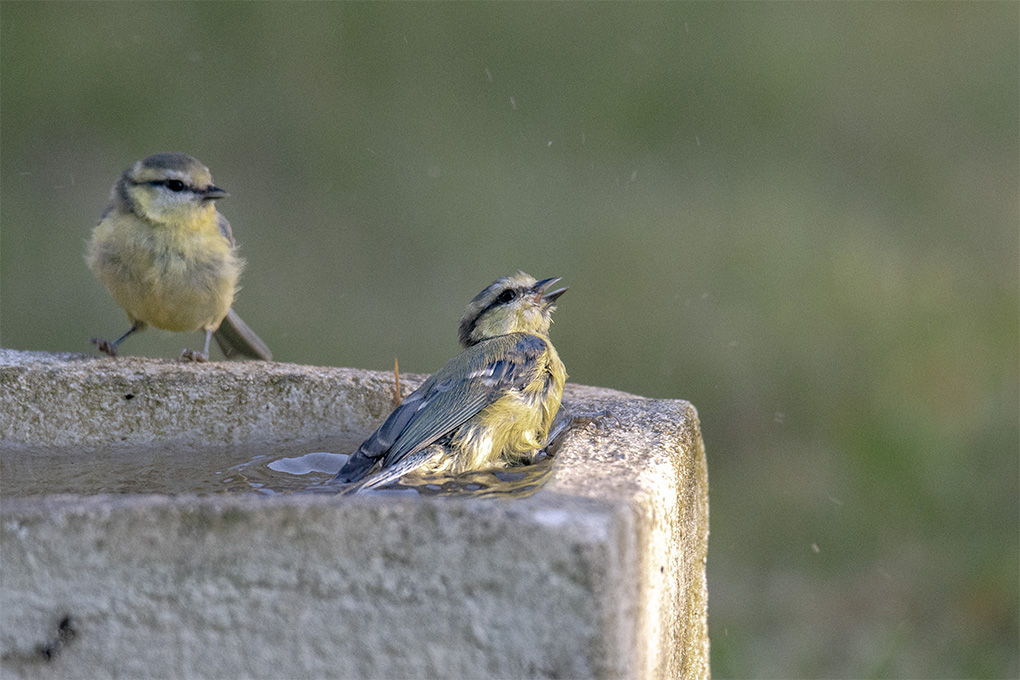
(186, 196)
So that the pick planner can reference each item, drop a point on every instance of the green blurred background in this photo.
(803, 218)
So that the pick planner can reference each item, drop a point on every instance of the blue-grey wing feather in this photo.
(460, 390)
(225, 229)
(380, 441)
(494, 367)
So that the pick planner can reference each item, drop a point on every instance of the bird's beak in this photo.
(545, 284)
(214, 192)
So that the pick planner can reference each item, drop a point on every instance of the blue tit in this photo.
(491, 406)
(168, 258)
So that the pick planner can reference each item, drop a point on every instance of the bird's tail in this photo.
(357, 467)
(235, 338)
(391, 474)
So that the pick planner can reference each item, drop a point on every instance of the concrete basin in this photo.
(130, 548)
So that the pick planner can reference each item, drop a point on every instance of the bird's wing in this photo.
(225, 229)
(471, 381)
(493, 368)
(380, 441)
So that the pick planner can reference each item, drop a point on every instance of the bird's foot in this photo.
(105, 346)
(565, 422)
(194, 355)
(600, 419)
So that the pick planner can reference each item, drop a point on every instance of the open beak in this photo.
(545, 284)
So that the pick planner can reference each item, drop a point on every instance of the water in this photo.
(516, 482)
(268, 470)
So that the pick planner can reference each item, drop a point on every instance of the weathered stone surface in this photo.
(90, 402)
(599, 574)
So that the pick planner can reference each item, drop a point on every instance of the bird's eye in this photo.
(175, 185)
(506, 296)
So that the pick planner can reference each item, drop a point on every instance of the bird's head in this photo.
(511, 304)
(168, 188)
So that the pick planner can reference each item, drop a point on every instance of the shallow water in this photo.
(519, 481)
(294, 468)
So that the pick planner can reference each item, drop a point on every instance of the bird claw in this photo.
(565, 422)
(105, 346)
(600, 419)
(193, 355)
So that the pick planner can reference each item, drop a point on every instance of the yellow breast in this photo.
(513, 428)
(175, 277)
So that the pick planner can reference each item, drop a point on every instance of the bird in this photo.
(168, 258)
(491, 406)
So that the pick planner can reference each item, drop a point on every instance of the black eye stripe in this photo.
(507, 296)
(174, 185)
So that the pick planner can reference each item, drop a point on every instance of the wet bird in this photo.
(168, 258)
(492, 405)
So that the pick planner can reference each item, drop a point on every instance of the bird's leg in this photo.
(566, 421)
(198, 357)
(107, 347)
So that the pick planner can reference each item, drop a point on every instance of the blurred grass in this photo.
(800, 217)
